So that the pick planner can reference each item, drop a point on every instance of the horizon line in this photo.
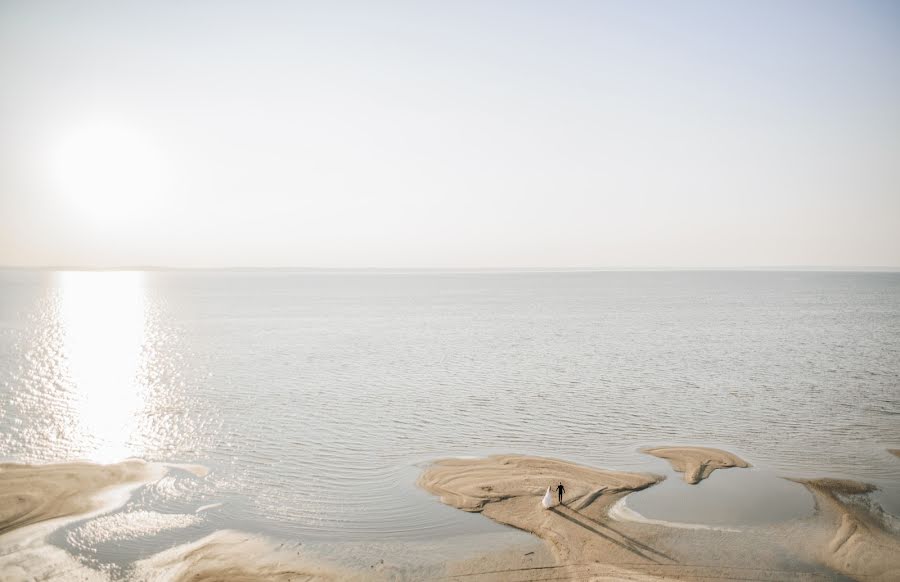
(161, 268)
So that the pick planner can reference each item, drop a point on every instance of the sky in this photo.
(465, 134)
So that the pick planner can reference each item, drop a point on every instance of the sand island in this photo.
(697, 463)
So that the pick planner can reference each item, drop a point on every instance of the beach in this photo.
(582, 538)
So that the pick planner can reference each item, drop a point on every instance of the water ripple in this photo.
(315, 398)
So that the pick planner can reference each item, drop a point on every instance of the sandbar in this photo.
(508, 489)
(31, 494)
(697, 463)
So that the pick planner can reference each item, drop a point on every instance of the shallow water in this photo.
(316, 398)
(732, 498)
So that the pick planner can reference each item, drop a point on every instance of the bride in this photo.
(547, 501)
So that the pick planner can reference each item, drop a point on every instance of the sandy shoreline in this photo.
(581, 539)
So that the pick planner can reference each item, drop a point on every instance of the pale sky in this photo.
(450, 134)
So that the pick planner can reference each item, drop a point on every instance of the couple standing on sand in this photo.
(548, 497)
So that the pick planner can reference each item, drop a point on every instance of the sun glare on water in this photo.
(108, 173)
(102, 320)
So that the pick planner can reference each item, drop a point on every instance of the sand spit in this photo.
(861, 547)
(31, 494)
(508, 489)
(697, 463)
(233, 556)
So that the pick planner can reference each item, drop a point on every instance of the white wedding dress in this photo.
(547, 501)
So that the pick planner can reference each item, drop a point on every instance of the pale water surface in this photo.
(316, 398)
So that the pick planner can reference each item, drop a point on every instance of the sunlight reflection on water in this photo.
(102, 319)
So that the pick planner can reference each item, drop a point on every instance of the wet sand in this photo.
(697, 463)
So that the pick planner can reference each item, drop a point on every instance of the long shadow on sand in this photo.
(628, 540)
(628, 544)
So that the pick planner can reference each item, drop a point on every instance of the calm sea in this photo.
(316, 398)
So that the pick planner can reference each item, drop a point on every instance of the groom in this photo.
(560, 490)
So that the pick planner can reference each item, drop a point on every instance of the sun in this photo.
(109, 172)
